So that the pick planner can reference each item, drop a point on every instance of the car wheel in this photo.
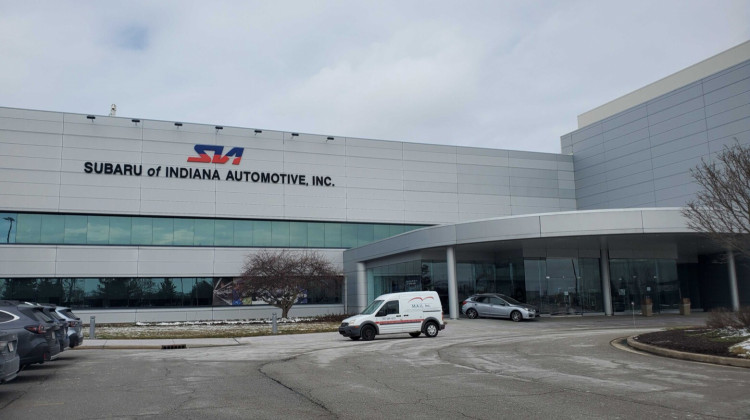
(415, 334)
(472, 314)
(516, 316)
(368, 333)
(431, 329)
(355, 338)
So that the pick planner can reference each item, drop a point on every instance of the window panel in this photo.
(224, 233)
(75, 229)
(97, 231)
(53, 229)
(163, 231)
(8, 228)
(298, 234)
(348, 235)
(381, 232)
(280, 233)
(184, 231)
(262, 233)
(204, 232)
(119, 230)
(316, 235)
(29, 228)
(333, 235)
(142, 233)
(243, 233)
(365, 234)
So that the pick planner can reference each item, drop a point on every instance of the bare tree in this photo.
(721, 210)
(281, 277)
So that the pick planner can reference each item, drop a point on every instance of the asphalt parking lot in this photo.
(482, 369)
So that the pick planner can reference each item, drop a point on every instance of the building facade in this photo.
(134, 219)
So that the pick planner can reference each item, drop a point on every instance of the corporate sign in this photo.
(208, 153)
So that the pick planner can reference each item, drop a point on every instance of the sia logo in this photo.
(218, 156)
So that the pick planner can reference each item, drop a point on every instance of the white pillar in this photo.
(606, 283)
(452, 283)
(733, 292)
(361, 287)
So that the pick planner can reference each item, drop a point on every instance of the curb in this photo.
(676, 354)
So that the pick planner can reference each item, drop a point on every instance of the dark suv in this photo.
(36, 332)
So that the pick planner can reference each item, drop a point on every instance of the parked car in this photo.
(495, 305)
(62, 334)
(414, 313)
(75, 326)
(36, 332)
(10, 363)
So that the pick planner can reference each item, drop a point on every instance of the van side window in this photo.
(391, 307)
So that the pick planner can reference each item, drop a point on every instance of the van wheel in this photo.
(415, 334)
(516, 316)
(367, 333)
(355, 338)
(472, 314)
(431, 329)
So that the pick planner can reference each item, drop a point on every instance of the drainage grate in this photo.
(173, 346)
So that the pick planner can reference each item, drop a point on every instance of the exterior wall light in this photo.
(178, 124)
(218, 127)
(91, 117)
(258, 131)
(295, 134)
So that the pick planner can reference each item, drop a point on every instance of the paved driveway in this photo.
(484, 369)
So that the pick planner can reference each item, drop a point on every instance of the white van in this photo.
(408, 312)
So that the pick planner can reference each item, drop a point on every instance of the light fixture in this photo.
(295, 134)
(136, 120)
(218, 127)
(91, 117)
(258, 131)
(178, 124)
(329, 138)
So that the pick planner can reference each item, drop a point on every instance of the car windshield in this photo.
(371, 308)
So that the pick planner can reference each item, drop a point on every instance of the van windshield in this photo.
(371, 308)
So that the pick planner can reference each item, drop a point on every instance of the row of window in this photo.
(149, 292)
(74, 229)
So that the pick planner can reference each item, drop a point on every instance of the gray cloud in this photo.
(509, 74)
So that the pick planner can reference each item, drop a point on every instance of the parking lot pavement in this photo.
(553, 367)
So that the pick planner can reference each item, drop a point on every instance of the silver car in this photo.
(495, 305)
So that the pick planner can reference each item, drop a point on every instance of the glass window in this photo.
(298, 234)
(53, 229)
(8, 228)
(396, 229)
(163, 231)
(316, 235)
(280, 232)
(365, 234)
(142, 233)
(262, 233)
(119, 230)
(29, 228)
(97, 231)
(348, 235)
(184, 231)
(332, 235)
(75, 229)
(243, 233)
(224, 232)
(381, 232)
(204, 232)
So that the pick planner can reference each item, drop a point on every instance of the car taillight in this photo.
(38, 329)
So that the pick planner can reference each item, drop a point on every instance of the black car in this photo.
(36, 332)
(9, 360)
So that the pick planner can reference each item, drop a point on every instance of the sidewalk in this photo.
(157, 344)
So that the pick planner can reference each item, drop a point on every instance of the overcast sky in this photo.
(502, 74)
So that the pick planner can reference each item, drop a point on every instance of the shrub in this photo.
(724, 318)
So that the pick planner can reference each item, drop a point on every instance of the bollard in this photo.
(92, 328)
(274, 328)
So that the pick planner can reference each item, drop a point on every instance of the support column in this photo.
(361, 287)
(606, 283)
(452, 283)
(733, 291)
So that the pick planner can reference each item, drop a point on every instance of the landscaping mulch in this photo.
(695, 340)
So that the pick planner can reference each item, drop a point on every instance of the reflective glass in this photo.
(223, 232)
(184, 231)
(348, 235)
(381, 232)
(119, 230)
(97, 231)
(163, 231)
(298, 234)
(316, 235)
(243, 233)
(204, 232)
(142, 233)
(280, 232)
(365, 234)
(29, 228)
(333, 235)
(8, 227)
(75, 229)
(396, 229)
(53, 229)
(262, 233)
